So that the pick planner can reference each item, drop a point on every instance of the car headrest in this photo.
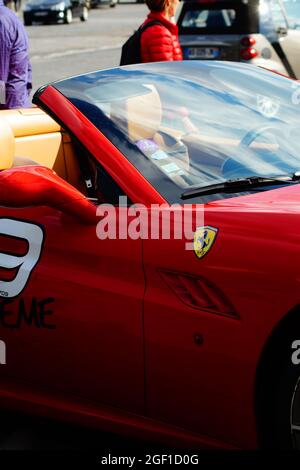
(139, 116)
(144, 114)
(7, 145)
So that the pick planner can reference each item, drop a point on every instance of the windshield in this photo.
(293, 11)
(194, 123)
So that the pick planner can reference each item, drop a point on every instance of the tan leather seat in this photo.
(37, 139)
(138, 116)
(144, 115)
(7, 145)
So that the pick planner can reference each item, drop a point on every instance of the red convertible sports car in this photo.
(195, 344)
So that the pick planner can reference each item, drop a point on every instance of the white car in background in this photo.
(252, 31)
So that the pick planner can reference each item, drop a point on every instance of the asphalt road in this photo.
(60, 50)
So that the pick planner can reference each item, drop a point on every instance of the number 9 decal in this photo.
(34, 236)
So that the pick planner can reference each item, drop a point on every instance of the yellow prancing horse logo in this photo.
(204, 239)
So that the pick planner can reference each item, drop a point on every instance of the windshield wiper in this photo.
(240, 184)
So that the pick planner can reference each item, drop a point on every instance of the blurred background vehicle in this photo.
(111, 3)
(293, 12)
(256, 31)
(46, 11)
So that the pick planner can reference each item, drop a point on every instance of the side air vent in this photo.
(198, 293)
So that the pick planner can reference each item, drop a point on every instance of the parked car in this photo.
(96, 3)
(127, 328)
(257, 32)
(54, 11)
(293, 12)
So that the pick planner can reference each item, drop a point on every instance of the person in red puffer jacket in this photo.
(159, 42)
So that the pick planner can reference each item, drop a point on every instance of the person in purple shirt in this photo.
(15, 68)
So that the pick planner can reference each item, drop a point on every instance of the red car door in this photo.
(70, 306)
(189, 324)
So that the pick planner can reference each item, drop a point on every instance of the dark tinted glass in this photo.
(220, 17)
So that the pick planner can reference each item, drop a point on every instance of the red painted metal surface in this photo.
(39, 186)
(88, 292)
(209, 388)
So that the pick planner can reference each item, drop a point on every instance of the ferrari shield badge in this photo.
(204, 239)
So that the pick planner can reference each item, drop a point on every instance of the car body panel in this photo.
(66, 338)
(291, 47)
(171, 326)
(52, 11)
(230, 48)
(16, 396)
